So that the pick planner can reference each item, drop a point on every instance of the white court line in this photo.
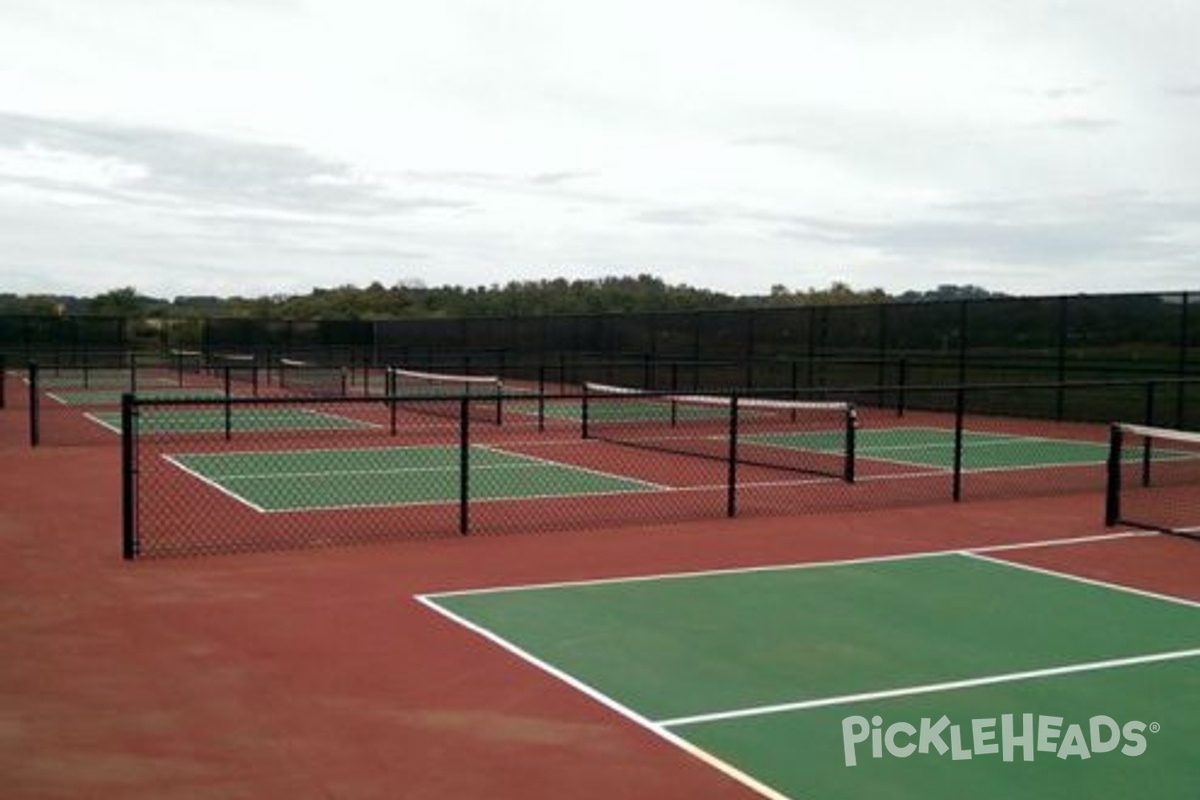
(931, 688)
(215, 485)
(982, 556)
(523, 462)
(326, 473)
(805, 565)
(341, 418)
(101, 422)
(595, 694)
(574, 467)
(661, 728)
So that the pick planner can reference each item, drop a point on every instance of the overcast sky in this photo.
(269, 146)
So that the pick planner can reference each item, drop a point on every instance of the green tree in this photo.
(123, 302)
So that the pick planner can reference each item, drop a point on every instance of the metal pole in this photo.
(959, 412)
(35, 434)
(1112, 495)
(731, 488)
(464, 465)
(129, 543)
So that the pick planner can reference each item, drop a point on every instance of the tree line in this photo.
(412, 300)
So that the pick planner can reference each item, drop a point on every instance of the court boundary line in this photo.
(802, 565)
(980, 556)
(357, 426)
(170, 459)
(661, 728)
(586, 470)
(932, 688)
(103, 423)
(164, 392)
(642, 721)
(639, 487)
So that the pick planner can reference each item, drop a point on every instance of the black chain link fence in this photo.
(239, 474)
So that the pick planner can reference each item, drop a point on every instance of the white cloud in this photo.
(270, 145)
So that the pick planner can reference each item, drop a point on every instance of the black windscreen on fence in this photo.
(986, 340)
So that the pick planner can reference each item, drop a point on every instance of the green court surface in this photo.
(773, 674)
(301, 480)
(212, 420)
(111, 397)
(114, 380)
(602, 410)
(934, 447)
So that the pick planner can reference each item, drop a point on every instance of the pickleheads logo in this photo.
(1027, 734)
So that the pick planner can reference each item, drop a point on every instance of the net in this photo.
(815, 438)
(1154, 479)
(186, 360)
(237, 367)
(309, 378)
(441, 394)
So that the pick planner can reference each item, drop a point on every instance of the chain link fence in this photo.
(237, 474)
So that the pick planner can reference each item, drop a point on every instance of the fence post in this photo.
(35, 431)
(3, 378)
(129, 543)
(731, 494)
(960, 403)
(1184, 339)
(464, 465)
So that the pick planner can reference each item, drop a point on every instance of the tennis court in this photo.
(371, 476)
(321, 479)
(112, 397)
(167, 420)
(832, 680)
(117, 380)
(982, 450)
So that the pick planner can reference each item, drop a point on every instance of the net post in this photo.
(851, 436)
(1147, 458)
(129, 543)
(960, 402)
(584, 407)
(389, 388)
(464, 465)
(731, 489)
(1112, 491)
(228, 404)
(35, 431)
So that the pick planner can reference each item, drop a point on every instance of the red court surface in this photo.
(315, 674)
